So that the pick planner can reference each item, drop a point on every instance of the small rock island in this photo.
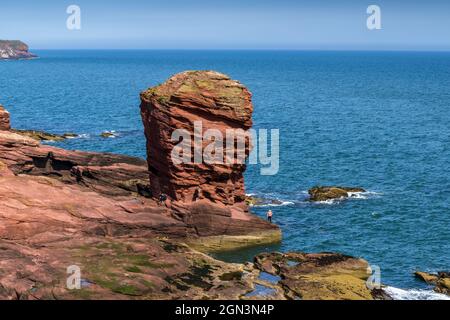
(14, 50)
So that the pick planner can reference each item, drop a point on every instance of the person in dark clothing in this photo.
(162, 199)
(269, 216)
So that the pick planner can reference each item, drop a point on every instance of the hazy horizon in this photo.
(321, 25)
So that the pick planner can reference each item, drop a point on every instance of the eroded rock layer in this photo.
(4, 119)
(208, 197)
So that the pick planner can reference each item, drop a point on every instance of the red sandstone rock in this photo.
(123, 178)
(218, 103)
(109, 174)
(209, 198)
(4, 119)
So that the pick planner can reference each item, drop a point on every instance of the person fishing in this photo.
(269, 216)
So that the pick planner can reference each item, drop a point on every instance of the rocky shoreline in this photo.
(440, 280)
(100, 212)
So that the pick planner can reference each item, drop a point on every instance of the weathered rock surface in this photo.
(258, 201)
(333, 192)
(105, 173)
(14, 49)
(5, 123)
(218, 103)
(210, 198)
(319, 276)
(118, 268)
(441, 280)
(44, 136)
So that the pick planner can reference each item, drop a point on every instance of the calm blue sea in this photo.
(379, 120)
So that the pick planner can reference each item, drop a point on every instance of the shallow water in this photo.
(377, 120)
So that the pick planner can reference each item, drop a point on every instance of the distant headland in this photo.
(14, 49)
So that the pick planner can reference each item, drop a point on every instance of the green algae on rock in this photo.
(44, 136)
(440, 280)
(320, 193)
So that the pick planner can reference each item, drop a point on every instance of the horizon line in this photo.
(240, 49)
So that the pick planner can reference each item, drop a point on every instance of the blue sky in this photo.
(230, 24)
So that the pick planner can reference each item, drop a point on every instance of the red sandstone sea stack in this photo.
(216, 102)
(209, 198)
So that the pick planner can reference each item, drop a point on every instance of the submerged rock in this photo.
(5, 125)
(441, 280)
(258, 201)
(331, 192)
(44, 136)
(108, 134)
(14, 49)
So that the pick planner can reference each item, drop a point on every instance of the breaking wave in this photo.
(414, 294)
(352, 196)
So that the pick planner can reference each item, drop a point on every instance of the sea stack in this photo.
(196, 102)
(5, 123)
(208, 197)
(14, 49)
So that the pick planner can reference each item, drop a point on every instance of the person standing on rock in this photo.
(162, 199)
(269, 216)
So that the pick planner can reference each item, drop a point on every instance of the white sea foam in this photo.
(363, 195)
(270, 201)
(414, 294)
(281, 204)
(330, 201)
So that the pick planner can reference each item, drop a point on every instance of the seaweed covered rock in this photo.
(331, 192)
(441, 280)
(319, 276)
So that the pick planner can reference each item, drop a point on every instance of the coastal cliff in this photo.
(100, 213)
(14, 49)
